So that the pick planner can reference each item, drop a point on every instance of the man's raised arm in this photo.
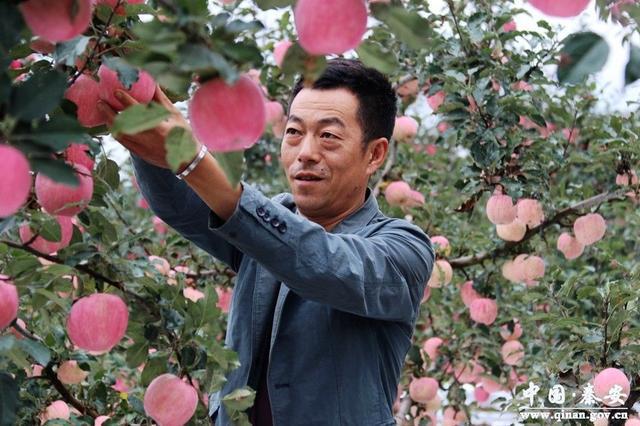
(184, 205)
(382, 276)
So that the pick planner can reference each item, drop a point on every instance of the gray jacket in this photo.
(346, 301)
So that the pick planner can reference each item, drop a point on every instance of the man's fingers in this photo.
(107, 112)
(126, 99)
(160, 97)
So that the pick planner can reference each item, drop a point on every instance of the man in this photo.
(328, 288)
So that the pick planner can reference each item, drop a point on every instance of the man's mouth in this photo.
(310, 177)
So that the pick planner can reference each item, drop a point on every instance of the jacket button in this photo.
(266, 216)
(275, 222)
(260, 211)
(282, 228)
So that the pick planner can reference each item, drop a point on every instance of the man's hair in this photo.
(376, 98)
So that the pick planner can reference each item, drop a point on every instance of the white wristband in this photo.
(194, 163)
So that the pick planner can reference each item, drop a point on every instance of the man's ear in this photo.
(376, 154)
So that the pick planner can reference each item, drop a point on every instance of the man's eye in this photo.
(328, 135)
(291, 131)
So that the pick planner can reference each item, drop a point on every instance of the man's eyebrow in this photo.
(332, 120)
(324, 121)
(295, 119)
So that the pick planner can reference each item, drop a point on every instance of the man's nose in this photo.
(309, 149)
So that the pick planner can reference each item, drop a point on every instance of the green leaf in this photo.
(137, 404)
(11, 25)
(375, 55)
(67, 52)
(408, 26)
(240, 399)
(485, 153)
(56, 169)
(137, 9)
(138, 118)
(233, 165)
(180, 147)
(195, 7)
(593, 336)
(567, 287)
(137, 354)
(632, 70)
(50, 229)
(21, 264)
(272, 4)
(127, 74)
(159, 38)
(58, 132)
(153, 368)
(5, 86)
(47, 297)
(298, 61)
(582, 54)
(9, 402)
(7, 224)
(108, 171)
(246, 51)
(38, 96)
(40, 353)
(198, 58)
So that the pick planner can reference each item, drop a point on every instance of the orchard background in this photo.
(503, 154)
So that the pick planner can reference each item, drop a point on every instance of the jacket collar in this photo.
(355, 220)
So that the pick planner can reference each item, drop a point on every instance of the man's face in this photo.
(322, 155)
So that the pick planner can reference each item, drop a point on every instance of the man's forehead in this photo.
(325, 105)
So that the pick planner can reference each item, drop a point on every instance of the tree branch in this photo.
(508, 247)
(82, 268)
(66, 395)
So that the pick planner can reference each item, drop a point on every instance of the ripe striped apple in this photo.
(15, 180)
(57, 20)
(228, 118)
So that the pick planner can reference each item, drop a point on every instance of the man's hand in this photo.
(208, 180)
(148, 145)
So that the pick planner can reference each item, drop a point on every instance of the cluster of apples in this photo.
(399, 193)
(62, 20)
(60, 200)
(96, 324)
(513, 221)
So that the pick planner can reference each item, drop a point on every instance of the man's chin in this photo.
(306, 202)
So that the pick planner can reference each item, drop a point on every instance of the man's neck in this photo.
(329, 223)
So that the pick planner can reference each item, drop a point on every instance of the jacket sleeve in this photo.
(173, 201)
(382, 276)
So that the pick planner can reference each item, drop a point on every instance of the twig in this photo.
(95, 47)
(66, 395)
(82, 268)
(24, 332)
(486, 120)
(393, 153)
